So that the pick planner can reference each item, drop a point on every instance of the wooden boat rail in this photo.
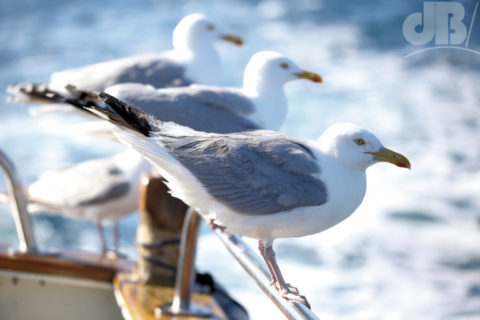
(181, 304)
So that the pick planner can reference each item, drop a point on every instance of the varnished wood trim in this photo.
(139, 301)
(73, 264)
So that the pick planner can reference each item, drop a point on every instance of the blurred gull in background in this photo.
(98, 190)
(192, 60)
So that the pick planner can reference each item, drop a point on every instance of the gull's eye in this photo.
(359, 142)
(210, 27)
(285, 65)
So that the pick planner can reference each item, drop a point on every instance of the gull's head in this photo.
(357, 148)
(197, 31)
(270, 67)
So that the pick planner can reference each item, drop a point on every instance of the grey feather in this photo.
(228, 98)
(155, 69)
(72, 187)
(114, 191)
(257, 172)
(160, 73)
(202, 108)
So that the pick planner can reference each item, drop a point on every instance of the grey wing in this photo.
(203, 110)
(257, 172)
(89, 183)
(159, 72)
(231, 99)
(111, 191)
(156, 70)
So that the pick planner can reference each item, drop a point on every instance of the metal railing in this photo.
(247, 258)
(26, 241)
(181, 305)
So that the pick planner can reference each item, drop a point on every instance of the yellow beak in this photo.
(312, 76)
(233, 39)
(387, 155)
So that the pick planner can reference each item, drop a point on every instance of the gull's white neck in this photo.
(202, 63)
(346, 190)
(270, 102)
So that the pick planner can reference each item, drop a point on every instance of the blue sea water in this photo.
(411, 251)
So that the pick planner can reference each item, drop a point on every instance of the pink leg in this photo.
(263, 252)
(288, 292)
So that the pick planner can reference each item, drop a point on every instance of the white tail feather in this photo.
(51, 108)
(102, 129)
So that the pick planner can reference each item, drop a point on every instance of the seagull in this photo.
(261, 184)
(98, 189)
(260, 104)
(192, 60)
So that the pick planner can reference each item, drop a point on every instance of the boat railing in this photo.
(23, 226)
(246, 257)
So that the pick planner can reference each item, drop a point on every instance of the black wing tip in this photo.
(41, 92)
(34, 92)
(132, 116)
(83, 99)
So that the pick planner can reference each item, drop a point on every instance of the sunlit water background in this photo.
(411, 251)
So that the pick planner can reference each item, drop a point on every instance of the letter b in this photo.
(449, 26)
(440, 19)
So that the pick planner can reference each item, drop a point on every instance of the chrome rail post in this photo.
(26, 240)
(181, 305)
(254, 266)
(248, 259)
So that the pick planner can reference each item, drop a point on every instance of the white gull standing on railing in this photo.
(261, 184)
